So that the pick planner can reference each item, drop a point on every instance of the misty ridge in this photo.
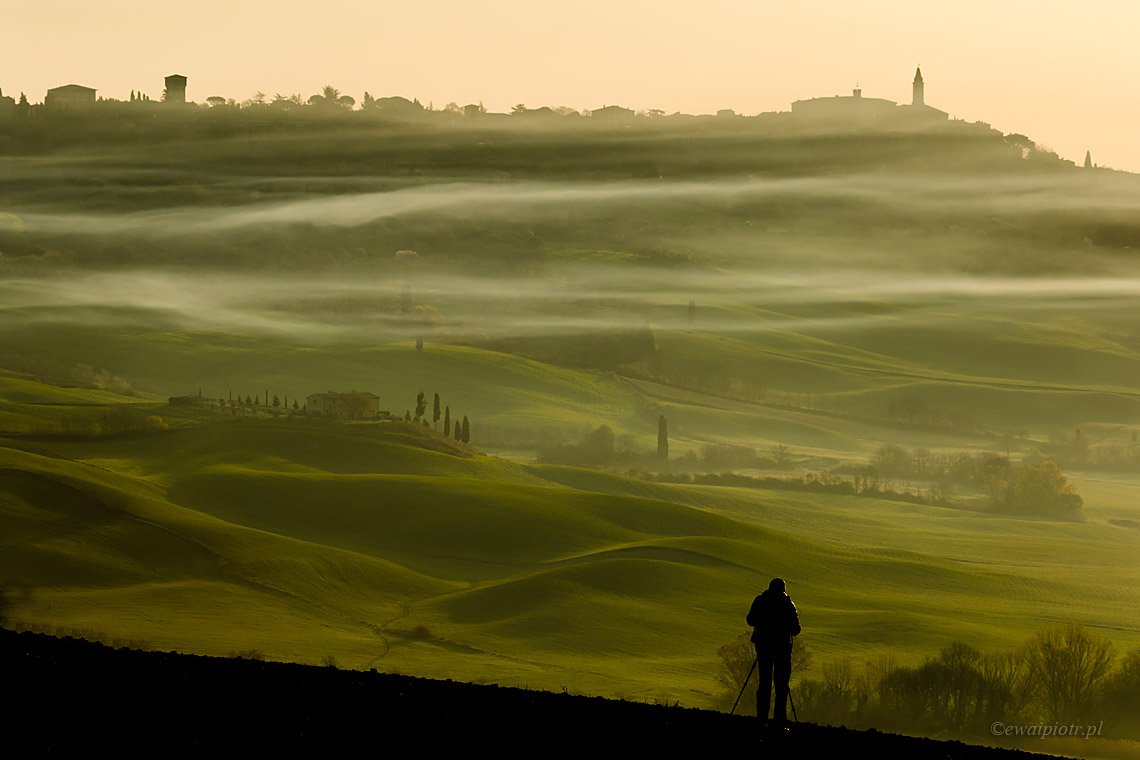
(283, 184)
(344, 226)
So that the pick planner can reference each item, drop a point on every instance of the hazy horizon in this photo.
(1060, 74)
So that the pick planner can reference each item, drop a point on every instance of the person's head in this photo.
(777, 585)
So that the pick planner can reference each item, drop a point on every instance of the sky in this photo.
(1064, 73)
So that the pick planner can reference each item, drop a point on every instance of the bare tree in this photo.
(1070, 665)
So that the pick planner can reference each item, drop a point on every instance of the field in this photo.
(307, 539)
(793, 318)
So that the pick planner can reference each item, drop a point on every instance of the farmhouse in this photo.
(70, 96)
(354, 405)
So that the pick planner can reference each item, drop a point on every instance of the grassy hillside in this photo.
(381, 546)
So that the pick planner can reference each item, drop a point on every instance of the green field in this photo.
(800, 307)
(385, 547)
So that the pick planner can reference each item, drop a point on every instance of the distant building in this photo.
(175, 88)
(543, 112)
(845, 108)
(70, 96)
(397, 107)
(854, 109)
(354, 405)
(918, 110)
(613, 113)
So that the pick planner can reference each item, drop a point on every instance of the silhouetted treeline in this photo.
(453, 146)
(1034, 487)
(1064, 674)
(814, 482)
(110, 422)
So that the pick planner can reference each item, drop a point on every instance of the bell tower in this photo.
(917, 96)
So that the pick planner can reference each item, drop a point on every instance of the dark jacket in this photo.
(774, 619)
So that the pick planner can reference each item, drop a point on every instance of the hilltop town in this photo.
(854, 109)
(61, 106)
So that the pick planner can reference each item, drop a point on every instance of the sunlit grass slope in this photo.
(480, 383)
(30, 406)
(386, 548)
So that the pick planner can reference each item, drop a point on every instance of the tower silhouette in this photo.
(918, 98)
(175, 88)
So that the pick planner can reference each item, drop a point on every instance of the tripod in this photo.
(744, 685)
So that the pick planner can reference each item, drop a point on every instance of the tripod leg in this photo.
(743, 686)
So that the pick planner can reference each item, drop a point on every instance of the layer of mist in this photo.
(581, 299)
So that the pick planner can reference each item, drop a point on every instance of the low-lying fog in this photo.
(521, 201)
(325, 258)
(580, 298)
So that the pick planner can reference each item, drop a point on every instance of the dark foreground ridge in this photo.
(70, 695)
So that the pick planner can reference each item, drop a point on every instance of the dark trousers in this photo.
(774, 663)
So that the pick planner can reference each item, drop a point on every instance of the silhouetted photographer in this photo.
(774, 622)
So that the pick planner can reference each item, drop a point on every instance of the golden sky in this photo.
(1065, 73)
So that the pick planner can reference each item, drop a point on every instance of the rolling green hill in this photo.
(380, 545)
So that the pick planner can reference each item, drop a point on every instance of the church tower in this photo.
(917, 97)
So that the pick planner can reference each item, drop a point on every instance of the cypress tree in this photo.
(447, 421)
(435, 411)
(662, 439)
(466, 435)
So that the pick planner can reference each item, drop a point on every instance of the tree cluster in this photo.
(1035, 488)
(1062, 674)
(275, 404)
(598, 447)
(114, 421)
(460, 431)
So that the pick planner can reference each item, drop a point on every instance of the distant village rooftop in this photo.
(353, 405)
(70, 96)
(857, 109)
